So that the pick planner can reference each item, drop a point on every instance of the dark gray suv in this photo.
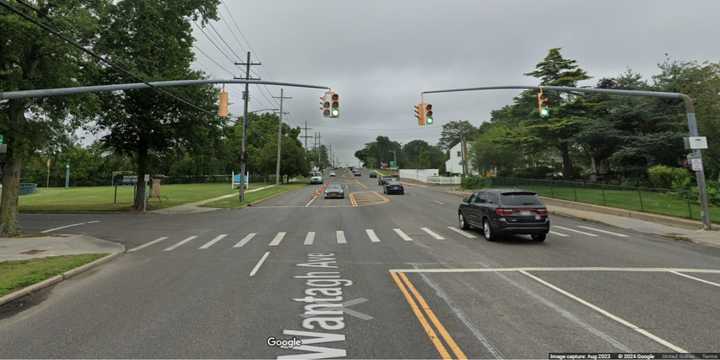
(505, 211)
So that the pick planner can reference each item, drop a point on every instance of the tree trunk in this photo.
(10, 191)
(567, 162)
(11, 172)
(139, 201)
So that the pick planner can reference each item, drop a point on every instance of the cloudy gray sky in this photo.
(379, 54)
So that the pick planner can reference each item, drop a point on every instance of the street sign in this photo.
(696, 164)
(3, 148)
(696, 143)
(2, 139)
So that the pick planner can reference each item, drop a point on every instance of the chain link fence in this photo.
(679, 203)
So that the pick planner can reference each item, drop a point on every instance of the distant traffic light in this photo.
(420, 114)
(428, 114)
(335, 105)
(325, 104)
(223, 110)
(543, 106)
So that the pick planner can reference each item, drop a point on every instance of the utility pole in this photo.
(279, 135)
(318, 149)
(462, 154)
(306, 136)
(246, 98)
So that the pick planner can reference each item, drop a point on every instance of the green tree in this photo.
(566, 117)
(29, 59)
(454, 131)
(154, 40)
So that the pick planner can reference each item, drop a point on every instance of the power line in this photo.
(213, 43)
(213, 60)
(232, 32)
(72, 42)
(223, 40)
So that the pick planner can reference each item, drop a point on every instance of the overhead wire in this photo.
(54, 31)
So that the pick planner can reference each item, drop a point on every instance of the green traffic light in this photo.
(545, 112)
(429, 120)
(335, 112)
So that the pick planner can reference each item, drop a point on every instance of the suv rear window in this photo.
(519, 199)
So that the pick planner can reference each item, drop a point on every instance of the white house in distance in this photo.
(454, 163)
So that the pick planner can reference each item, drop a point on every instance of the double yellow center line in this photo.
(353, 201)
(423, 312)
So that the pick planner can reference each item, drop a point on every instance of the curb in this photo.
(57, 278)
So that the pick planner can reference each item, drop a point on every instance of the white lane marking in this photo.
(61, 227)
(402, 235)
(371, 234)
(602, 231)
(431, 233)
(93, 222)
(213, 241)
(309, 238)
(277, 239)
(576, 231)
(696, 279)
(340, 235)
(464, 318)
(561, 269)
(439, 202)
(609, 315)
(147, 244)
(311, 201)
(259, 264)
(463, 233)
(171, 248)
(559, 234)
(245, 240)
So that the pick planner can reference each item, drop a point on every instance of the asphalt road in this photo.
(368, 276)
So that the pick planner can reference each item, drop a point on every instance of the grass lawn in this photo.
(22, 273)
(647, 201)
(100, 198)
(234, 202)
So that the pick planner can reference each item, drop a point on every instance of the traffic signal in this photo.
(325, 104)
(543, 106)
(420, 114)
(223, 106)
(335, 105)
(428, 114)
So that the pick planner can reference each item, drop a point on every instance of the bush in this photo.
(476, 182)
(667, 177)
(540, 172)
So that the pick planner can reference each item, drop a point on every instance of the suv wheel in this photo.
(462, 223)
(488, 231)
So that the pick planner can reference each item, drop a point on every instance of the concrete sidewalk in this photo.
(196, 207)
(659, 227)
(56, 245)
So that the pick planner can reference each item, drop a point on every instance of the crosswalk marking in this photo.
(402, 235)
(171, 248)
(309, 238)
(559, 234)
(147, 244)
(245, 240)
(576, 231)
(277, 239)
(602, 231)
(340, 235)
(463, 233)
(433, 234)
(371, 234)
(213, 241)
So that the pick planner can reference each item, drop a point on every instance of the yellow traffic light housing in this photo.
(420, 114)
(223, 110)
(543, 107)
(428, 114)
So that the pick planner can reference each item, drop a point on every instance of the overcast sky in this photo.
(379, 54)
